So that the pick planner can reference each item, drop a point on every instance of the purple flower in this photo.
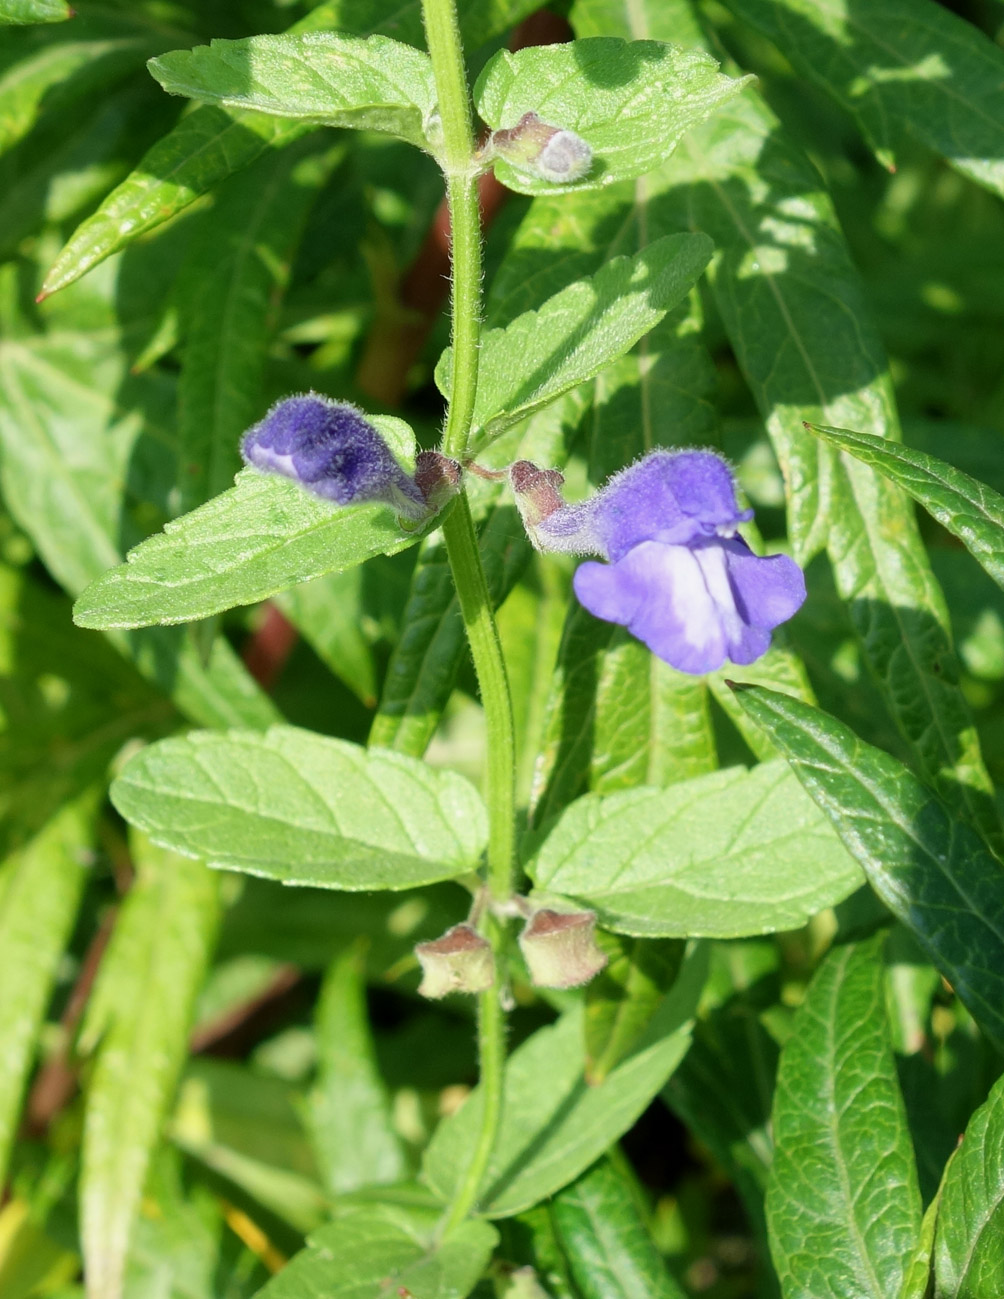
(332, 450)
(678, 578)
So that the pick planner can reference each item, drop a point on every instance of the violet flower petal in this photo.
(694, 606)
(671, 496)
(331, 449)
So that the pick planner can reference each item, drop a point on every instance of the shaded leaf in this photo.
(370, 1248)
(623, 997)
(843, 1206)
(40, 889)
(235, 283)
(966, 508)
(349, 1110)
(630, 101)
(610, 1253)
(547, 352)
(933, 872)
(969, 1240)
(901, 67)
(304, 809)
(550, 1133)
(732, 853)
(139, 1017)
(372, 84)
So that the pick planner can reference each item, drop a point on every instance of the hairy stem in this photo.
(443, 36)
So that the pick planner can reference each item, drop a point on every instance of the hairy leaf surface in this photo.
(304, 809)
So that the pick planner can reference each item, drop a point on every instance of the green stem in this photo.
(457, 156)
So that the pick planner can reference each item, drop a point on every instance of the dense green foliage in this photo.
(789, 246)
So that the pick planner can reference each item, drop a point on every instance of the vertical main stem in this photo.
(457, 156)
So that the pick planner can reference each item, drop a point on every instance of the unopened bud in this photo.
(438, 478)
(560, 948)
(331, 449)
(460, 961)
(550, 523)
(543, 150)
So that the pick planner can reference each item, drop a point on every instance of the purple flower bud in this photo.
(543, 150)
(460, 961)
(560, 948)
(332, 450)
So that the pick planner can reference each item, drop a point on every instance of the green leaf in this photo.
(205, 147)
(795, 312)
(547, 352)
(40, 889)
(732, 853)
(917, 1273)
(901, 67)
(969, 1241)
(51, 69)
(480, 20)
(843, 1207)
(630, 101)
(265, 534)
(371, 84)
(622, 999)
(349, 1111)
(235, 281)
(553, 1124)
(425, 661)
(609, 1250)
(86, 446)
(34, 11)
(966, 508)
(139, 1016)
(376, 1250)
(933, 872)
(305, 809)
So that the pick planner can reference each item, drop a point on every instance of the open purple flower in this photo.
(332, 450)
(678, 578)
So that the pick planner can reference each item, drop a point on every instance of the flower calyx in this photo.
(560, 948)
(460, 961)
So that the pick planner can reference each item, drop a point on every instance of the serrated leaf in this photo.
(139, 1015)
(623, 997)
(732, 853)
(371, 1248)
(901, 67)
(234, 286)
(567, 340)
(350, 1119)
(630, 101)
(40, 889)
(304, 809)
(966, 508)
(371, 83)
(933, 872)
(552, 1130)
(969, 1236)
(34, 11)
(86, 445)
(610, 1253)
(843, 1206)
(265, 534)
